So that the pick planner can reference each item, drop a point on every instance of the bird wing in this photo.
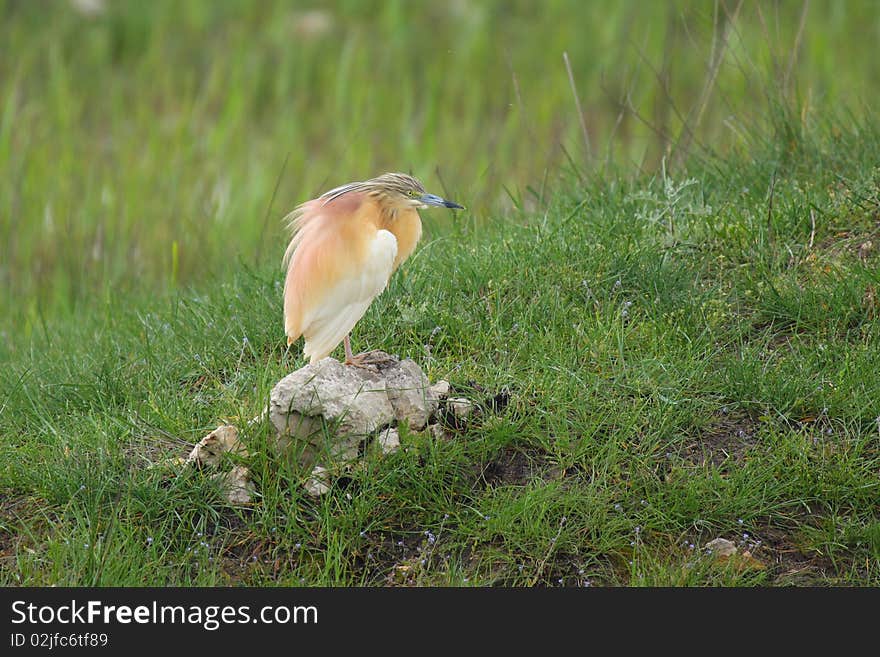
(338, 262)
(329, 321)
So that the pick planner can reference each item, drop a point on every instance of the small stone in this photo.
(237, 485)
(726, 552)
(721, 547)
(440, 390)
(461, 408)
(389, 441)
(210, 449)
(439, 432)
(318, 483)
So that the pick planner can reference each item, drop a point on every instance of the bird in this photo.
(345, 245)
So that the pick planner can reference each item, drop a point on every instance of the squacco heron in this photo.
(346, 244)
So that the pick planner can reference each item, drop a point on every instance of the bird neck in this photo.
(390, 207)
(406, 226)
(394, 214)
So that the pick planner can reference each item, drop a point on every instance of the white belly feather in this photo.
(348, 300)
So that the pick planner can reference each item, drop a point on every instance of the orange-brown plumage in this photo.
(345, 246)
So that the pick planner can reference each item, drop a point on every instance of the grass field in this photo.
(687, 358)
(688, 335)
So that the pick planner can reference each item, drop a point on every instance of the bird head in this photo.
(402, 190)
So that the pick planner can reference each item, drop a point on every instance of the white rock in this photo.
(210, 449)
(439, 432)
(462, 408)
(331, 391)
(720, 547)
(237, 485)
(409, 392)
(389, 440)
(318, 483)
(322, 413)
(440, 390)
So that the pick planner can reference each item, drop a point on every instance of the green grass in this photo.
(141, 147)
(689, 335)
(689, 356)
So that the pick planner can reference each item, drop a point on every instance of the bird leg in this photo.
(351, 359)
(363, 359)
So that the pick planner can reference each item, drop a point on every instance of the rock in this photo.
(208, 453)
(726, 552)
(323, 412)
(388, 440)
(720, 547)
(409, 392)
(440, 390)
(439, 432)
(337, 393)
(237, 485)
(210, 449)
(318, 483)
(461, 408)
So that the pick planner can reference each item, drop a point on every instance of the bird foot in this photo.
(366, 359)
(357, 361)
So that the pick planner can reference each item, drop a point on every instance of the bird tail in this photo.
(295, 221)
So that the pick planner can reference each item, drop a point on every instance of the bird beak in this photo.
(431, 199)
